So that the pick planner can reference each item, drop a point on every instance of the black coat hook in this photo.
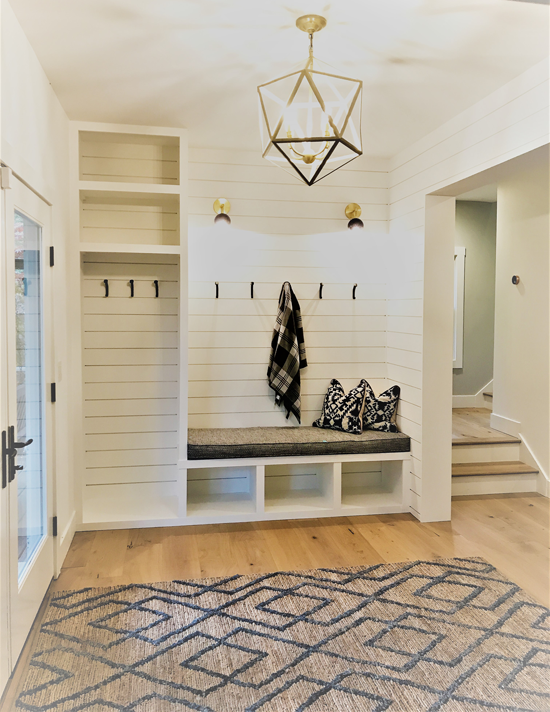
(321, 291)
(217, 290)
(131, 287)
(156, 283)
(106, 283)
(251, 290)
(353, 293)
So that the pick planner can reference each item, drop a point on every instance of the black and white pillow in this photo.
(343, 411)
(379, 412)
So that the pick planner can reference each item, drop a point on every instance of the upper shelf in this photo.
(129, 158)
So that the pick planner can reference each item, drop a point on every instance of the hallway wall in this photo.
(476, 231)
(522, 317)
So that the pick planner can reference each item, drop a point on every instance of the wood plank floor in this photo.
(509, 531)
(472, 426)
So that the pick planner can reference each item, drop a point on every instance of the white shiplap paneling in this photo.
(281, 230)
(131, 375)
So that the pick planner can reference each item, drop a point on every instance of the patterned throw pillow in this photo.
(378, 412)
(341, 411)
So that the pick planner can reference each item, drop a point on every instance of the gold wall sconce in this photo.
(222, 206)
(353, 214)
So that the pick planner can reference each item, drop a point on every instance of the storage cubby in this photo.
(111, 217)
(368, 485)
(295, 488)
(221, 491)
(128, 158)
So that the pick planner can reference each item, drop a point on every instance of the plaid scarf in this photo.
(288, 353)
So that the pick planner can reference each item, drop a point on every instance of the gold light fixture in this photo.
(310, 119)
(353, 213)
(221, 207)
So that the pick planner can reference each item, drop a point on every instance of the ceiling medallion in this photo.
(310, 119)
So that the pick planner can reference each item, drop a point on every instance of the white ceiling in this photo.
(196, 63)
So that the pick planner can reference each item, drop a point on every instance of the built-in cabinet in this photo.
(130, 221)
(129, 216)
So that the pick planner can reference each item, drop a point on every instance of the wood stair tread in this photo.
(464, 469)
(488, 440)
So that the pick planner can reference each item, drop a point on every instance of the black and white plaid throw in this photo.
(288, 353)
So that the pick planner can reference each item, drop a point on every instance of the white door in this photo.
(27, 465)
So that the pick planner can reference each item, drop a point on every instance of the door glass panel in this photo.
(29, 380)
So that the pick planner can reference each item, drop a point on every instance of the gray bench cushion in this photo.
(225, 443)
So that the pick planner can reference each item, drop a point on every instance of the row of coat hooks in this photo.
(321, 285)
(131, 285)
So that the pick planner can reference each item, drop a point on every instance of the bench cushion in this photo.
(229, 443)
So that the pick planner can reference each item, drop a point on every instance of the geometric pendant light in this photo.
(310, 119)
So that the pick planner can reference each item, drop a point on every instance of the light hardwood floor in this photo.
(509, 531)
(472, 426)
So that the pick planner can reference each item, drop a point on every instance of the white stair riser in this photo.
(493, 484)
(486, 453)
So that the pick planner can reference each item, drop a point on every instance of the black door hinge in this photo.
(52, 256)
(53, 394)
(54, 526)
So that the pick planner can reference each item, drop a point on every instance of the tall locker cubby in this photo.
(130, 216)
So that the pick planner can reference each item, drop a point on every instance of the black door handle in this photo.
(20, 445)
(4, 460)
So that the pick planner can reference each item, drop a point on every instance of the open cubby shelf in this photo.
(216, 492)
(128, 158)
(108, 217)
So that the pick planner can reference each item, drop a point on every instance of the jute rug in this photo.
(451, 635)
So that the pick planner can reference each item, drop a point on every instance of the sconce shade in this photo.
(310, 121)
(223, 218)
(355, 223)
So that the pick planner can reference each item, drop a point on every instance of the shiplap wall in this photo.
(131, 378)
(506, 124)
(281, 230)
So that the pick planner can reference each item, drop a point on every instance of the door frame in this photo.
(25, 597)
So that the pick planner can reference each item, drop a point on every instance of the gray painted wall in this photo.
(476, 231)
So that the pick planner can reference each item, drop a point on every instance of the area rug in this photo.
(451, 635)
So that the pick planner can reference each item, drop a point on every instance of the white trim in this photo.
(476, 401)
(505, 425)
(495, 484)
(543, 481)
(458, 323)
(310, 460)
(63, 543)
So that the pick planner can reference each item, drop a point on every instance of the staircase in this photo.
(486, 461)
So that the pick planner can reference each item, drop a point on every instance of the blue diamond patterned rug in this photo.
(451, 635)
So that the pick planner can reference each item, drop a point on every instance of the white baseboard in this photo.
(475, 401)
(505, 425)
(529, 457)
(64, 542)
(466, 402)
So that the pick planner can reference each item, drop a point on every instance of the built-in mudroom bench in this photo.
(254, 474)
